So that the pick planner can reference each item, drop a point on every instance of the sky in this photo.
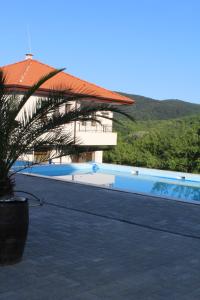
(144, 47)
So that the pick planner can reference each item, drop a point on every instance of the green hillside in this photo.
(162, 144)
(150, 109)
(166, 135)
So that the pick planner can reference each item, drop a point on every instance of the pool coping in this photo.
(194, 202)
(152, 172)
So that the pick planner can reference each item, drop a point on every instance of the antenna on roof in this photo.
(29, 55)
(29, 39)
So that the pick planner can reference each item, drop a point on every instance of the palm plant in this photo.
(27, 125)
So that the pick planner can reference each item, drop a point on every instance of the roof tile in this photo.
(25, 73)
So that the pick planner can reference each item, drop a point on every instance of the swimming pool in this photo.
(166, 184)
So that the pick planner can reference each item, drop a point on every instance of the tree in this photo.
(164, 144)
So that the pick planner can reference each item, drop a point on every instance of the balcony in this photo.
(96, 135)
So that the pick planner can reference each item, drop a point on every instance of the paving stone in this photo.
(91, 243)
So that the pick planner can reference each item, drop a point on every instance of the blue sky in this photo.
(146, 47)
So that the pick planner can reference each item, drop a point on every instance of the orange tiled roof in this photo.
(25, 73)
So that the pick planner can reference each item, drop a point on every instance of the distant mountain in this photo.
(150, 109)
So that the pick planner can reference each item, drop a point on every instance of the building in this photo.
(91, 135)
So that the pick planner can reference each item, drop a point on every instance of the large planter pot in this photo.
(14, 219)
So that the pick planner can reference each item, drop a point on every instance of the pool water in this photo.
(174, 185)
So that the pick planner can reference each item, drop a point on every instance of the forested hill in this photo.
(150, 109)
(161, 144)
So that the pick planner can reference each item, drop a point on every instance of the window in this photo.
(67, 107)
(105, 113)
(83, 123)
(93, 122)
(56, 112)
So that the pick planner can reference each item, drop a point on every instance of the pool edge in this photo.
(111, 189)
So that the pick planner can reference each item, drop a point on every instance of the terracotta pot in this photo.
(14, 219)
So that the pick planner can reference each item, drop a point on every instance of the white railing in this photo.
(95, 128)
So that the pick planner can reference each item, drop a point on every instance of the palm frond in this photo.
(2, 85)
(34, 88)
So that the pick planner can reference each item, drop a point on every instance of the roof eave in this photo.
(43, 91)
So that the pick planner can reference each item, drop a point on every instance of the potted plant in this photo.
(22, 129)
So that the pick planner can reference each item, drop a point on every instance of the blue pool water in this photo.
(166, 184)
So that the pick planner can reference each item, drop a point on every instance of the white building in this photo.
(91, 135)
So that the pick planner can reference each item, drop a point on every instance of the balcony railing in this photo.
(95, 128)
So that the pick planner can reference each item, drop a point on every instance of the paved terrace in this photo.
(88, 243)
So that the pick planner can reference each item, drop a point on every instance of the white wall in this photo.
(96, 138)
(85, 133)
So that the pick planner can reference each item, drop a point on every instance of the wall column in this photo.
(97, 156)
